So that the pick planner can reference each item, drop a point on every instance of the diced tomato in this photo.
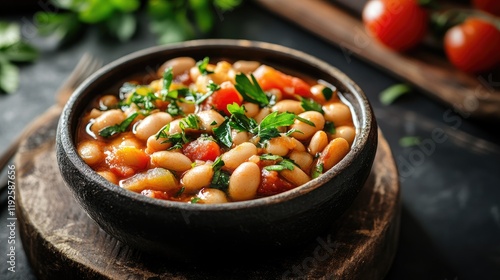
(202, 149)
(271, 183)
(270, 78)
(126, 161)
(226, 95)
(155, 194)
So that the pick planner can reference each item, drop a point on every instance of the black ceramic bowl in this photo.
(192, 231)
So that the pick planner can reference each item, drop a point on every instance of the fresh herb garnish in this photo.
(284, 164)
(310, 105)
(220, 180)
(118, 128)
(190, 121)
(270, 157)
(168, 77)
(327, 93)
(12, 49)
(202, 66)
(306, 121)
(174, 110)
(180, 191)
(178, 139)
(389, 95)
(329, 127)
(317, 170)
(251, 90)
(223, 133)
(195, 200)
(212, 87)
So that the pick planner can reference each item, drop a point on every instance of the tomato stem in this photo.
(441, 21)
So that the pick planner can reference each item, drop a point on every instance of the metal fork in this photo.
(86, 66)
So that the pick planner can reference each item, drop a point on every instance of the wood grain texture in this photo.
(470, 95)
(62, 242)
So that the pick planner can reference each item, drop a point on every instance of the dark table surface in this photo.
(450, 224)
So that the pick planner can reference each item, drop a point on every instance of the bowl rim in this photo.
(366, 114)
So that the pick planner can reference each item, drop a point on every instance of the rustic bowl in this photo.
(195, 231)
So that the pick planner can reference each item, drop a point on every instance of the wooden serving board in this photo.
(62, 242)
(475, 96)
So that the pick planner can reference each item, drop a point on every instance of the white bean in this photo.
(211, 196)
(244, 181)
(207, 119)
(317, 92)
(171, 160)
(308, 130)
(346, 132)
(107, 101)
(318, 142)
(245, 66)
(197, 178)
(91, 152)
(334, 152)
(302, 159)
(279, 145)
(155, 145)
(262, 114)
(338, 113)
(179, 65)
(239, 137)
(108, 118)
(288, 105)
(239, 154)
(251, 109)
(296, 176)
(152, 124)
(110, 176)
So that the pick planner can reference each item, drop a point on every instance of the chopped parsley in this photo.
(251, 90)
(202, 66)
(178, 139)
(317, 171)
(118, 128)
(327, 93)
(195, 200)
(284, 164)
(220, 180)
(310, 105)
(329, 127)
(223, 133)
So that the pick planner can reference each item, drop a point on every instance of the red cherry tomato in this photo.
(270, 78)
(398, 24)
(227, 94)
(202, 149)
(473, 46)
(490, 6)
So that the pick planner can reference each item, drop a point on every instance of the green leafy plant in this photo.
(170, 20)
(12, 49)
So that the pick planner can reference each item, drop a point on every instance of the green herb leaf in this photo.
(195, 200)
(118, 128)
(180, 191)
(223, 133)
(20, 52)
(329, 127)
(202, 66)
(409, 141)
(285, 164)
(174, 110)
(276, 119)
(270, 157)
(317, 171)
(327, 93)
(251, 90)
(190, 121)
(310, 105)
(168, 77)
(220, 180)
(226, 5)
(9, 77)
(306, 121)
(10, 33)
(389, 95)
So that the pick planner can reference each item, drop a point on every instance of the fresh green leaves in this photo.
(317, 170)
(223, 133)
(310, 105)
(389, 95)
(202, 66)
(178, 139)
(220, 180)
(329, 127)
(251, 90)
(281, 163)
(327, 93)
(118, 128)
(12, 49)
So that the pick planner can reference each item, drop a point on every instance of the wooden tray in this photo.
(470, 95)
(62, 242)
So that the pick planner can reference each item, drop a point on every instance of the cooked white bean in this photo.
(317, 92)
(179, 65)
(91, 152)
(335, 151)
(239, 154)
(175, 127)
(251, 109)
(318, 142)
(211, 196)
(306, 129)
(110, 176)
(157, 179)
(299, 147)
(187, 108)
(171, 160)
(154, 145)
(244, 181)
(108, 118)
(108, 101)
(207, 119)
(245, 66)
(197, 178)
(239, 137)
(126, 142)
(297, 176)
(346, 132)
(151, 125)
(338, 113)
(287, 105)
(279, 145)
(302, 159)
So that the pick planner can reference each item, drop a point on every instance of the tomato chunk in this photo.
(226, 95)
(270, 78)
(202, 149)
(271, 183)
(126, 161)
(155, 194)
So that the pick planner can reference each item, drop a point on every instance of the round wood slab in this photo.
(62, 242)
